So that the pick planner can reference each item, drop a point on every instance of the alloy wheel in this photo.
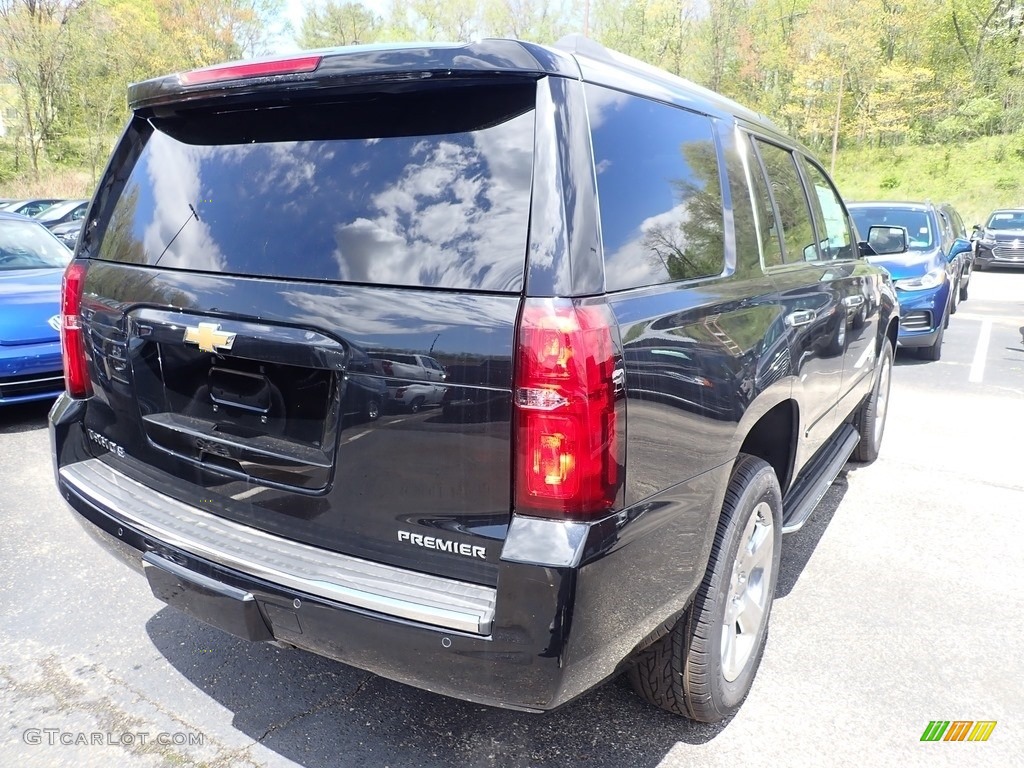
(748, 592)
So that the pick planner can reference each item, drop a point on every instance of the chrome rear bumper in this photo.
(392, 591)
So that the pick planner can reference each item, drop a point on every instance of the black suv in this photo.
(662, 345)
(1000, 243)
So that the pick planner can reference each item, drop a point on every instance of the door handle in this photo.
(618, 381)
(800, 317)
(853, 301)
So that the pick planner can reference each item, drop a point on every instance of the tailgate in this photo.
(274, 427)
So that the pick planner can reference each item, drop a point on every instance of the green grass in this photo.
(52, 182)
(976, 176)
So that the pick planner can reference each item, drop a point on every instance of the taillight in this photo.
(72, 335)
(567, 446)
(236, 71)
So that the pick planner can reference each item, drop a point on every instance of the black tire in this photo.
(963, 291)
(954, 301)
(416, 404)
(684, 671)
(869, 418)
(372, 411)
(934, 352)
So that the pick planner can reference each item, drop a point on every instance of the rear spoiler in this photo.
(353, 65)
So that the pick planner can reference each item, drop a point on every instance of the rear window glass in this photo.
(27, 245)
(430, 188)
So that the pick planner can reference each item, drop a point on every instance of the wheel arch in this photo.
(892, 332)
(773, 438)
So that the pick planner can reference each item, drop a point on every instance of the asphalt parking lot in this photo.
(900, 603)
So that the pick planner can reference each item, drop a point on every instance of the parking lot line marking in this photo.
(356, 437)
(980, 353)
(247, 494)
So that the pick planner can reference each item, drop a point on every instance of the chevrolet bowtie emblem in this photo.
(209, 337)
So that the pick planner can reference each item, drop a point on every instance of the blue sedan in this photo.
(32, 263)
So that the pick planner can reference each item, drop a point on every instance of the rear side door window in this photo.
(771, 239)
(959, 230)
(794, 217)
(829, 213)
(946, 227)
(660, 190)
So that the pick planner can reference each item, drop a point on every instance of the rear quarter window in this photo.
(659, 189)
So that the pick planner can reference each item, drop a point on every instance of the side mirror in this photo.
(959, 246)
(884, 240)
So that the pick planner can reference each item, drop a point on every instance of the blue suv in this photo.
(931, 277)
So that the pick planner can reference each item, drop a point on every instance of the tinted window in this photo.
(920, 230)
(788, 192)
(27, 245)
(833, 225)
(771, 244)
(946, 225)
(659, 189)
(429, 188)
(737, 160)
(959, 230)
(33, 209)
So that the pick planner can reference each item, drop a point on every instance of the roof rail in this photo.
(586, 46)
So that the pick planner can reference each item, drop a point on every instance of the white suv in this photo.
(414, 381)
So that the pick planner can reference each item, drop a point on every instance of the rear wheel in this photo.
(704, 667)
(963, 290)
(869, 419)
(372, 410)
(415, 405)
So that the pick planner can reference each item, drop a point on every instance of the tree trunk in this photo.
(835, 124)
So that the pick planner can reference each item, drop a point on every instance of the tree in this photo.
(655, 31)
(339, 23)
(718, 42)
(451, 20)
(115, 42)
(35, 42)
(540, 21)
(204, 32)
